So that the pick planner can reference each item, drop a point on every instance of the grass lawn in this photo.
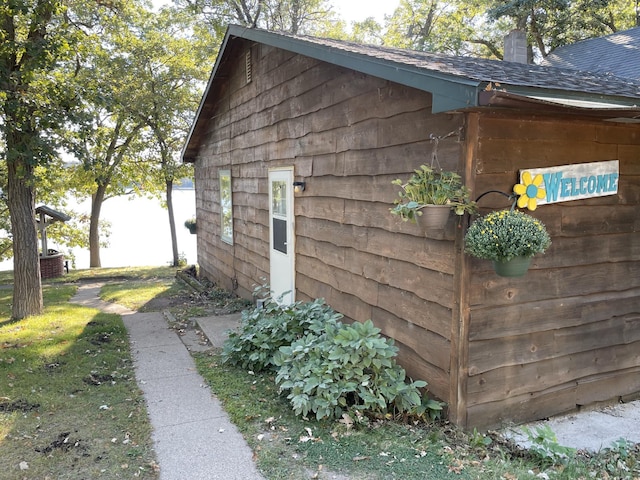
(69, 404)
(290, 447)
(70, 407)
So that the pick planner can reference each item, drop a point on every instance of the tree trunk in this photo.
(172, 223)
(27, 286)
(94, 232)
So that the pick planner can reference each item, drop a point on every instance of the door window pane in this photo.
(279, 198)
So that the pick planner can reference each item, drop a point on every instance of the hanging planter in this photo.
(516, 267)
(191, 225)
(434, 218)
(509, 238)
(430, 195)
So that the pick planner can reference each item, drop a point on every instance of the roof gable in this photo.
(455, 83)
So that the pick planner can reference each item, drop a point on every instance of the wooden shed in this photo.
(342, 121)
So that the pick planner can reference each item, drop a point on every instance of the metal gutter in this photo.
(571, 98)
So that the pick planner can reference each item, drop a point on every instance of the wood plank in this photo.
(354, 221)
(418, 369)
(424, 252)
(628, 156)
(550, 314)
(398, 160)
(360, 136)
(339, 234)
(617, 133)
(363, 213)
(533, 129)
(408, 306)
(510, 155)
(395, 160)
(325, 252)
(485, 355)
(461, 311)
(489, 289)
(431, 347)
(341, 280)
(605, 248)
(585, 221)
(367, 188)
(360, 98)
(514, 380)
(524, 408)
(629, 190)
(554, 401)
(415, 126)
(351, 306)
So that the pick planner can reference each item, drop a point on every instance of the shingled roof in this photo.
(615, 54)
(455, 83)
(495, 71)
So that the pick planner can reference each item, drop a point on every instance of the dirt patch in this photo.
(95, 323)
(15, 345)
(162, 303)
(63, 442)
(100, 338)
(18, 406)
(50, 367)
(96, 379)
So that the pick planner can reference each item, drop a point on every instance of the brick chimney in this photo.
(515, 47)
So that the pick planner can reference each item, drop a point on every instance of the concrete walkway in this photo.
(590, 429)
(192, 435)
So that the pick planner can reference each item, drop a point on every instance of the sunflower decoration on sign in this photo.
(529, 191)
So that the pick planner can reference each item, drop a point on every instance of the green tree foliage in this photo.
(478, 27)
(174, 68)
(554, 23)
(108, 143)
(368, 31)
(455, 27)
(142, 82)
(292, 16)
(37, 94)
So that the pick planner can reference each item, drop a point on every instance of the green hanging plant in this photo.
(506, 234)
(427, 186)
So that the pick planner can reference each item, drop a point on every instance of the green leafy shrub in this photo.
(342, 367)
(545, 446)
(263, 330)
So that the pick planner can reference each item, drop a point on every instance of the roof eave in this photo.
(594, 105)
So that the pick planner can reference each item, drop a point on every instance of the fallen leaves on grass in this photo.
(309, 437)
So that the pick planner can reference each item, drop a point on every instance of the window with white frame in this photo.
(226, 207)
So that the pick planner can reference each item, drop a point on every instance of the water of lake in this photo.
(140, 234)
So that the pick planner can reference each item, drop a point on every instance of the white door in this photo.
(281, 240)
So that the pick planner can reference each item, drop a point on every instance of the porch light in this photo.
(299, 187)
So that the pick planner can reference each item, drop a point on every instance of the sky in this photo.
(358, 10)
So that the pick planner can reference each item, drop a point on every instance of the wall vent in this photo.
(247, 60)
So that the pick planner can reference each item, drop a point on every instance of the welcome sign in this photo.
(576, 182)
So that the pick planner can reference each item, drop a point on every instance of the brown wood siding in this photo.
(566, 334)
(348, 136)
